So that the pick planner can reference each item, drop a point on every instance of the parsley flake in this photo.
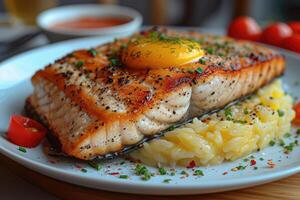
(246, 112)
(167, 180)
(202, 61)
(184, 173)
(228, 113)
(199, 70)
(210, 50)
(93, 52)
(83, 170)
(22, 149)
(172, 174)
(287, 135)
(95, 165)
(79, 64)
(122, 176)
(271, 143)
(162, 171)
(114, 61)
(143, 172)
(281, 142)
(280, 113)
(198, 172)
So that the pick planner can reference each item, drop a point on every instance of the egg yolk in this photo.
(153, 54)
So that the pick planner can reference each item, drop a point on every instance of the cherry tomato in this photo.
(244, 28)
(292, 43)
(275, 33)
(25, 132)
(296, 121)
(295, 26)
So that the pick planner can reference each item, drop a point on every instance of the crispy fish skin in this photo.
(94, 106)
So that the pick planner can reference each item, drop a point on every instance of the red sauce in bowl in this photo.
(91, 23)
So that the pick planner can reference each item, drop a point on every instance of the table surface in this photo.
(288, 188)
(32, 185)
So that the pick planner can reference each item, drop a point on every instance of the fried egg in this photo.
(160, 52)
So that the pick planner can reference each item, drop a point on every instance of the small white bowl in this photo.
(48, 18)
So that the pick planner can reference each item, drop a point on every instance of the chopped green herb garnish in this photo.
(241, 167)
(199, 70)
(154, 34)
(172, 174)
(167, 180)
(246, 159)
(114, 61)
(93, 52)
(122, 163)
(246, 112)
(280, 113)
(281, 142)
(22, 149)
(255, 168)
(271, 143)
(198, 172)
(228, 112)
(202, 61)
(252, 156)
(95, 165)
(162, 37)
(184, 173)
(157, 36)
(240, 121)
(79, 64)
(287, 135)
(289, 147)
(210, 50)
(142, 171)
(261, 159)
(83, 170)
(221, 54)
(146, 177)
(298, 131)
(162, 171)
(123, 176)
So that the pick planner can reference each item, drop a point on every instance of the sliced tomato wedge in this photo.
(25, 132)
(296, 121)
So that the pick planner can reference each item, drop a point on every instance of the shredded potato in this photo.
(226, 135)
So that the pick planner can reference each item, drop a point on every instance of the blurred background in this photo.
(18, 17)
(208, 13)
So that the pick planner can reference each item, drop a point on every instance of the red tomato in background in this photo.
(244, 28)
(275, 33)
(292, 43)
(295, 26)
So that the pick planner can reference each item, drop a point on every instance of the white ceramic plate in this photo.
(15, 87)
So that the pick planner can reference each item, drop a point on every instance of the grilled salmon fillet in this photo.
(96, 106)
